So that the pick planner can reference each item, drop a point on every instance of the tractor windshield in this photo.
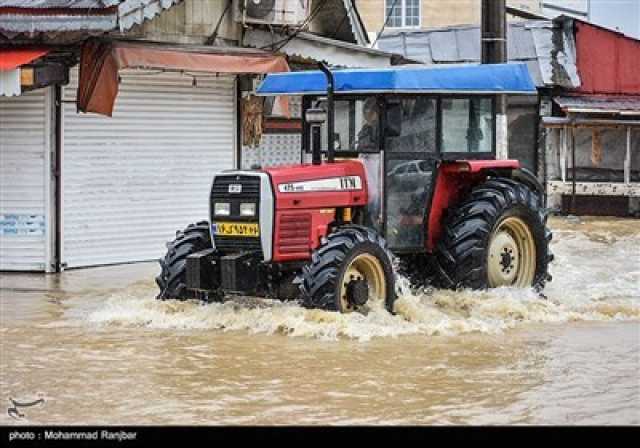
(410, 125)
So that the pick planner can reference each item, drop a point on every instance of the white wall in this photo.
(620, 15)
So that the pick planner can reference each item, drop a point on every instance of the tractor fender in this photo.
(522, 175)
(529, 179)
(502, 168)
(454, 179)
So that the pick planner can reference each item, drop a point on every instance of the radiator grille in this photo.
(250, 194)
(294, 234)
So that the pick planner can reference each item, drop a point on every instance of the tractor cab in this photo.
(402, 124)
(400, 163)
(401, 139)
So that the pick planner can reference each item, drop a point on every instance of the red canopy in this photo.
(12, 58)
(101, 61)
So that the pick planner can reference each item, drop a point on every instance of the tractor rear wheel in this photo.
(348, 271)
(172, 278)
(496, 237)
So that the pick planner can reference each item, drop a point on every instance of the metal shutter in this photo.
(132, 180)
(25, 142)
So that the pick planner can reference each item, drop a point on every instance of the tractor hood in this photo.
(339, 184)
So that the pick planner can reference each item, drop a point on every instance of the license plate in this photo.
(235, 229)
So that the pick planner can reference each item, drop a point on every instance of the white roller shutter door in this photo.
(25, 200)
(130, 181)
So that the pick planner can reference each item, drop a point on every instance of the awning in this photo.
(101, 61)
(466, 79)
(12, 58)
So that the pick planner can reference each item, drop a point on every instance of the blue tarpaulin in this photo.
(480, 79)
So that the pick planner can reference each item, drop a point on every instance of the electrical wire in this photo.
(212, 38)
(384, 25)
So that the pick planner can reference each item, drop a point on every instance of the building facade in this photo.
(416, 14)
(580, 134)
(87, 189)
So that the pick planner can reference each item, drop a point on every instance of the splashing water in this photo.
(596, 277)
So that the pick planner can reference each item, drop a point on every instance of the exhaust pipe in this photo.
(330, 108)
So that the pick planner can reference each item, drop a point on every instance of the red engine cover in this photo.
(305, 209)
(306, 199)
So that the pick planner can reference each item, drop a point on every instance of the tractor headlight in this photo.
(222, 209)
(247, 209)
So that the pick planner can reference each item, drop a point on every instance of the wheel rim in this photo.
(512, 255)
(368, 268)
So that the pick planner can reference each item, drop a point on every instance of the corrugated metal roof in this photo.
(134, 12)
(462, 43)
(51, 4)
(95, 17)
(15, 24)
(531, 42)
(599, 104)
(607, 60)
(310, 46)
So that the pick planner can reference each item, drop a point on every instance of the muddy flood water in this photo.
(97, 347)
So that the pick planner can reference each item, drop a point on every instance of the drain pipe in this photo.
(59, 266)
(330, 109)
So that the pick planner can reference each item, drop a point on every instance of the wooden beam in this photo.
(561, 122)
(631, 189)
(563, 154)
(573, 170)
(627, 159)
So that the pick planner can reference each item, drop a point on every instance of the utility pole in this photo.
(493, 33)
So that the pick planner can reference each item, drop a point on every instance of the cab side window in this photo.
(467, 125)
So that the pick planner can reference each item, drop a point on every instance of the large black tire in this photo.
(172, 278)
(462, 255)
(320, 281)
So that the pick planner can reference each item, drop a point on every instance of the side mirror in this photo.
(393, 120)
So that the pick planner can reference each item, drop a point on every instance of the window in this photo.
(402, 13)
(467, 125)
(408, 184)
(411, 125)
(356, 125)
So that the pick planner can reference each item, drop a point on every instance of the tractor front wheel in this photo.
(348, 272)
(172, 278)
(496, 237)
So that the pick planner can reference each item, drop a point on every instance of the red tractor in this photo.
(402, 167)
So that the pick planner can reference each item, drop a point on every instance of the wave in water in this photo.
(594, 279)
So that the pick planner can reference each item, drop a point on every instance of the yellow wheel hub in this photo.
(363, 268)
(511, 255)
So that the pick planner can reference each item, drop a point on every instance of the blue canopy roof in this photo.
(480, 79)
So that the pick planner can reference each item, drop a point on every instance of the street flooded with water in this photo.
(99, 349)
